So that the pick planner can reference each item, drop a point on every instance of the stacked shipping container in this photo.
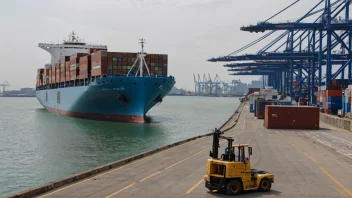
(261, 103)
(46, 76)
(74, 65)
(104, 62)
(57, 73)
(331, 98)
(346, 100)
(62, 71)
(40, 77)
(83, 66)
(67, 71)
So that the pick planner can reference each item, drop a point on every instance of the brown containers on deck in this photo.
(53, 75)
(40, 76)
(92, 50)
(67, 71)
(57, 73)
(99, 63)
(74, 65)
(103, 62)
(291, 117)
(85, 67)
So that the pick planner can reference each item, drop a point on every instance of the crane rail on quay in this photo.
(309, 57)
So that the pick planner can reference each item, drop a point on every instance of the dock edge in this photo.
(38, 190)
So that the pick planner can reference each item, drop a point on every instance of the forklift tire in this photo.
(234, 187)
(210, 189)
(265, 185)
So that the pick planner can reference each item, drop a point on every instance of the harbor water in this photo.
(37, 146)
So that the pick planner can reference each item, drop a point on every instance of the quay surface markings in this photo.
(324, 171)
(338, 190)
(194, 186)
(199, 182)
(115, 169)
(125, 188)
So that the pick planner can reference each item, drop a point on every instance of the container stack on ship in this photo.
(88, 81)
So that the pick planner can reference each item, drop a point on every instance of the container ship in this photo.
(88, 81)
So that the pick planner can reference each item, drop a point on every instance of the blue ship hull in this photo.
(116, 98)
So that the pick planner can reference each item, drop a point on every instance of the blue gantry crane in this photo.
(295, 60)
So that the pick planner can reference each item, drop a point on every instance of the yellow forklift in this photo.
(232, 173)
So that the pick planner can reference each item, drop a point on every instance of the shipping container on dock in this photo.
(252, 90)
(252, 98)
(291, 117)
(260, 106)
(330, 97)
(346, 100)
(257, 109)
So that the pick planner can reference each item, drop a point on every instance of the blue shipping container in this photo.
(251, 108)
(346, 107)
(336, 99)
(283, 103)
(334, 105)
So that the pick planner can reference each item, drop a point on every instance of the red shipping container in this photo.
(290, 117)
(333, 93)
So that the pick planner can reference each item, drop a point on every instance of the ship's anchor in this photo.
(123, 100)
(159, 99)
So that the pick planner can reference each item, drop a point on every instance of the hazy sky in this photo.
(189, 31)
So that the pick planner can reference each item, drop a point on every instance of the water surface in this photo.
(37, 146)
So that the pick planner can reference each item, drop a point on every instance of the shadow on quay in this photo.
(247, 194)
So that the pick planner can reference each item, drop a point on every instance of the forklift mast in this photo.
(214, 153)
(215, 150)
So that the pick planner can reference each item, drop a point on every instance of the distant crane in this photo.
(207, 86)
(4, 84)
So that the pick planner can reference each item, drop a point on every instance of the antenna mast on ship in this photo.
(140, 58)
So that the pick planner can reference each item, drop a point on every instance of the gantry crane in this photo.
(4, 84)
(293, 62)
(207, 86)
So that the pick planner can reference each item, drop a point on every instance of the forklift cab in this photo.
(238, 153)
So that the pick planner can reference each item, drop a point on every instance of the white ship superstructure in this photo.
(68, 48)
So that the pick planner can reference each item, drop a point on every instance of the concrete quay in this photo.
(305, 163)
